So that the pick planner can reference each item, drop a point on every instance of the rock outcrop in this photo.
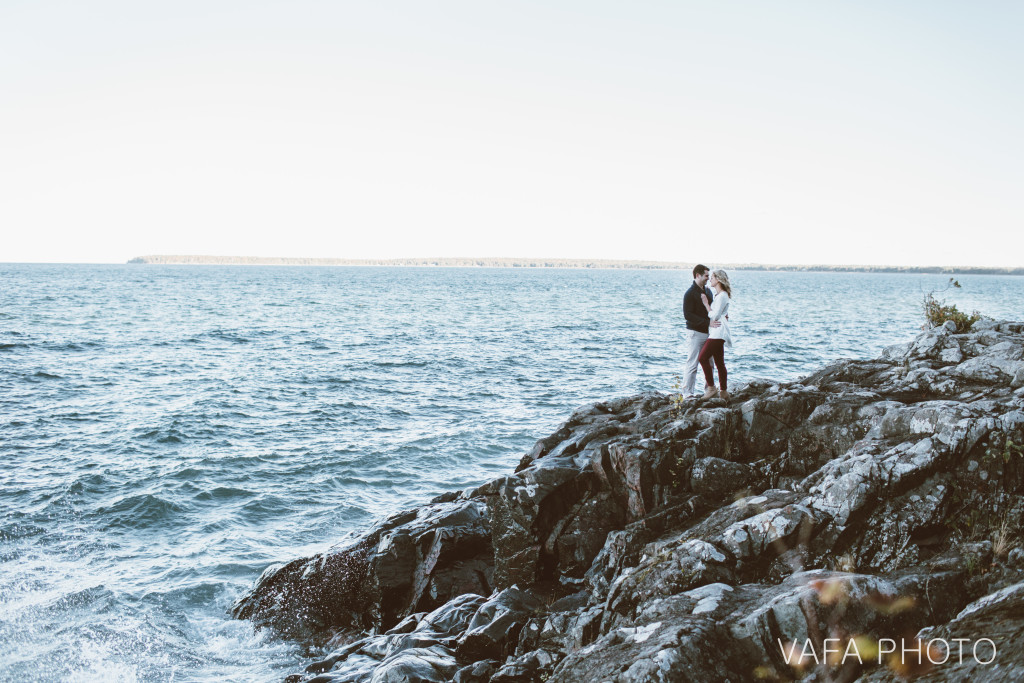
(875, 504)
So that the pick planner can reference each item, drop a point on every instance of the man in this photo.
(696, 322)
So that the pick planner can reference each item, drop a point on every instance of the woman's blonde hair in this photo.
(723, 279)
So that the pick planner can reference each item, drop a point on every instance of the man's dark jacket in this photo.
(693, 308)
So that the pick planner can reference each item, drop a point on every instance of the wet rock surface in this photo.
(648, 539)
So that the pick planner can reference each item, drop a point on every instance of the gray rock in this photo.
(477, 672)
(411, 561)
(526, 668)
(715, 478)
(494, 629)
(877, 498)
(418, 665)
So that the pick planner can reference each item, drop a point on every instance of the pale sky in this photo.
(874, 132)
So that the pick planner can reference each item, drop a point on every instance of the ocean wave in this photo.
(195, 595)
(138, 511)
(164, 436)
(39, 374)
(399, 363)
(89, 484)
(188, 474)
(256, 511)
(247, 336)
(73, 346)
(233, 337)
(223, 493)
(14, 532)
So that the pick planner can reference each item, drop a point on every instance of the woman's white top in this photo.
(720, 309)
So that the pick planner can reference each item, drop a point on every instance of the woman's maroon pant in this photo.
(713, 348)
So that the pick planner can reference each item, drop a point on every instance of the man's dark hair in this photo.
(700, 269)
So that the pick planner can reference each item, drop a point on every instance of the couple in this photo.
(707, 318)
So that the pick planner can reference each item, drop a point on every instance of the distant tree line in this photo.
(551, 263)
(446, 262)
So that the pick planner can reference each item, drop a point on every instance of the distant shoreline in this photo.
(197, 260)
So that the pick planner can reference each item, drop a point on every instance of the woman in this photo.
(718, 336)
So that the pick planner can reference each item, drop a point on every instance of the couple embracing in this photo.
(707, 319)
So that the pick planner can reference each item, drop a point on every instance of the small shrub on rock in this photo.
(937, 312)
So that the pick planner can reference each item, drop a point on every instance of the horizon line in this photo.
(548, 262)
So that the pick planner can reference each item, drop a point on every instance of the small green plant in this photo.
(937, 311)
(1001, 447)
(678, 399)
(971, 562)
(1010, 451)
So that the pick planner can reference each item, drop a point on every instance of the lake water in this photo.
(166, 432)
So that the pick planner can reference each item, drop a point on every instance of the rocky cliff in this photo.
(826, 528)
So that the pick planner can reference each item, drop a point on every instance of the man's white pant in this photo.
(697, 340)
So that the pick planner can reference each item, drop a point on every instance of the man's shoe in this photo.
(724, 395)
(712, 392)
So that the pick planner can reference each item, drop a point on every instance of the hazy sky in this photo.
(798, 132)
